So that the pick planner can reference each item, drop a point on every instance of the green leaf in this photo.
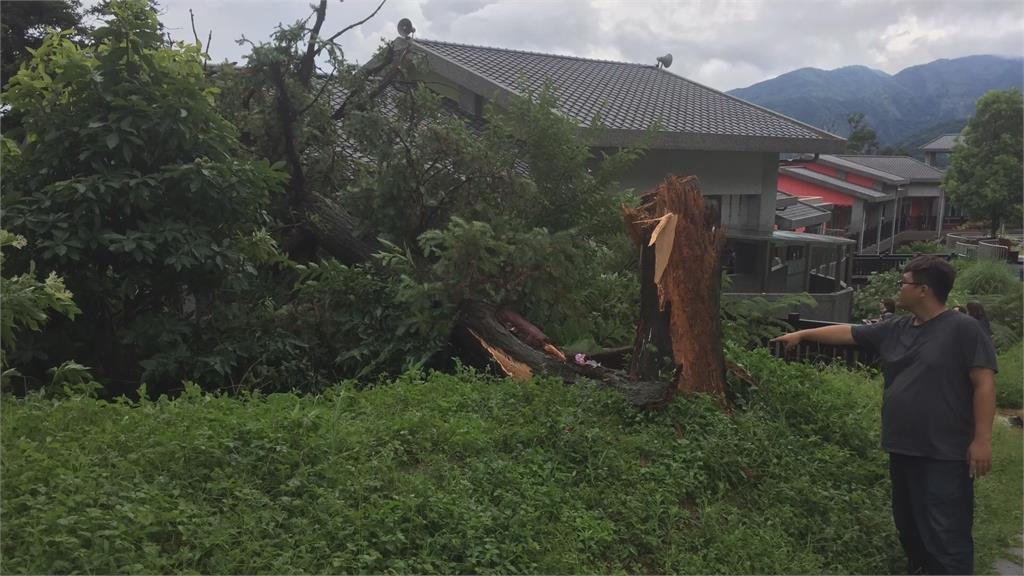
(112, 140)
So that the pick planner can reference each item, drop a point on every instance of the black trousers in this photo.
(933, 507)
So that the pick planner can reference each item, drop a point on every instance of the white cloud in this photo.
(725, 44)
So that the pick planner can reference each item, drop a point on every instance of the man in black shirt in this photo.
(937, 412)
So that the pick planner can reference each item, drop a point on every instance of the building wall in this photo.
(797, 187)
(922, 190)
(744, 182)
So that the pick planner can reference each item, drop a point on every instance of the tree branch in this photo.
(319, 93)
(306, 64)
(349, 27)
(195, 35)
(286, 115)
(385, 81)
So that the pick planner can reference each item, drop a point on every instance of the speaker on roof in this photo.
(405, 28)
(665, 61)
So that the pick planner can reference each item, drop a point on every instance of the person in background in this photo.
(977, 311)
(886, 310)
(960, 309)
(937, 412)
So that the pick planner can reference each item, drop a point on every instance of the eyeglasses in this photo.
(900, 283)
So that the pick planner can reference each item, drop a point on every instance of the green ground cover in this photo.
(466, 474)
(998, 520)
(1010, 379)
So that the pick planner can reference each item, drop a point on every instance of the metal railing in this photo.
(989, 251)
(977, 247)
(868, 264)
(815, 352)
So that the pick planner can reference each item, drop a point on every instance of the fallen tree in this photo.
(678, 237)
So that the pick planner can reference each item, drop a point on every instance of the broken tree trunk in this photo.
(484, 334)
(681, 239)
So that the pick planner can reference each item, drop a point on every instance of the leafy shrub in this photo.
(880, 285)
(134, 190)
(27, 302)
(453, 474)
(1010, 379)
(923, 247)
(1008, 310)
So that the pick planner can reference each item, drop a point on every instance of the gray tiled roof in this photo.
(844, 163)
(910, 168)
(629, 98)
(388, 107)
(869, 194)
(784, 200)
(944, 143)
(801, 214)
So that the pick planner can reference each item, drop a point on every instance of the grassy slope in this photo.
(998, 520)
(462, 474)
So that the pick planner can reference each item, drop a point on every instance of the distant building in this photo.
(878, 201)
(936, 152)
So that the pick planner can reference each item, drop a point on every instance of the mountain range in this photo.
(906, 109)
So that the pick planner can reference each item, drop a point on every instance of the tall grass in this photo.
(453, 474)
(986, 277)
(457, 473)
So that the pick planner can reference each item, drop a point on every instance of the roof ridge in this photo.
(535, 53)
(864, 169)
(823, 134)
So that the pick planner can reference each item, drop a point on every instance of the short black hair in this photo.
(889, 304)
(934, 272)
(976, 310)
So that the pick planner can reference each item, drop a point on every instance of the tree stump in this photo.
(681, 240)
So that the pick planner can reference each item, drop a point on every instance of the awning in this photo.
(787, 237)
(799, 215)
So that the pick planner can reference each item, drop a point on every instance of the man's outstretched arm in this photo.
(838, 335)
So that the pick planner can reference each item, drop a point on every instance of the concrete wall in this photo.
(921, 190)
(745, 182)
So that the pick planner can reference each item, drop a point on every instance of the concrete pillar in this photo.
(878, 231)
(857, 221)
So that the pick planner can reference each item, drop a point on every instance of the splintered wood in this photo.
(681, 240)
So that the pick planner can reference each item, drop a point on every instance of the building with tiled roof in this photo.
(936, 152)
(731, 145)
(943, 143)
(903, 167)
(878, 200)
(799, 214)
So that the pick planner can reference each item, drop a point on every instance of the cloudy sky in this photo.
(725, 44)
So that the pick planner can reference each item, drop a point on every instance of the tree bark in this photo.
(335, 231)
(685, 236)
(482, 338)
